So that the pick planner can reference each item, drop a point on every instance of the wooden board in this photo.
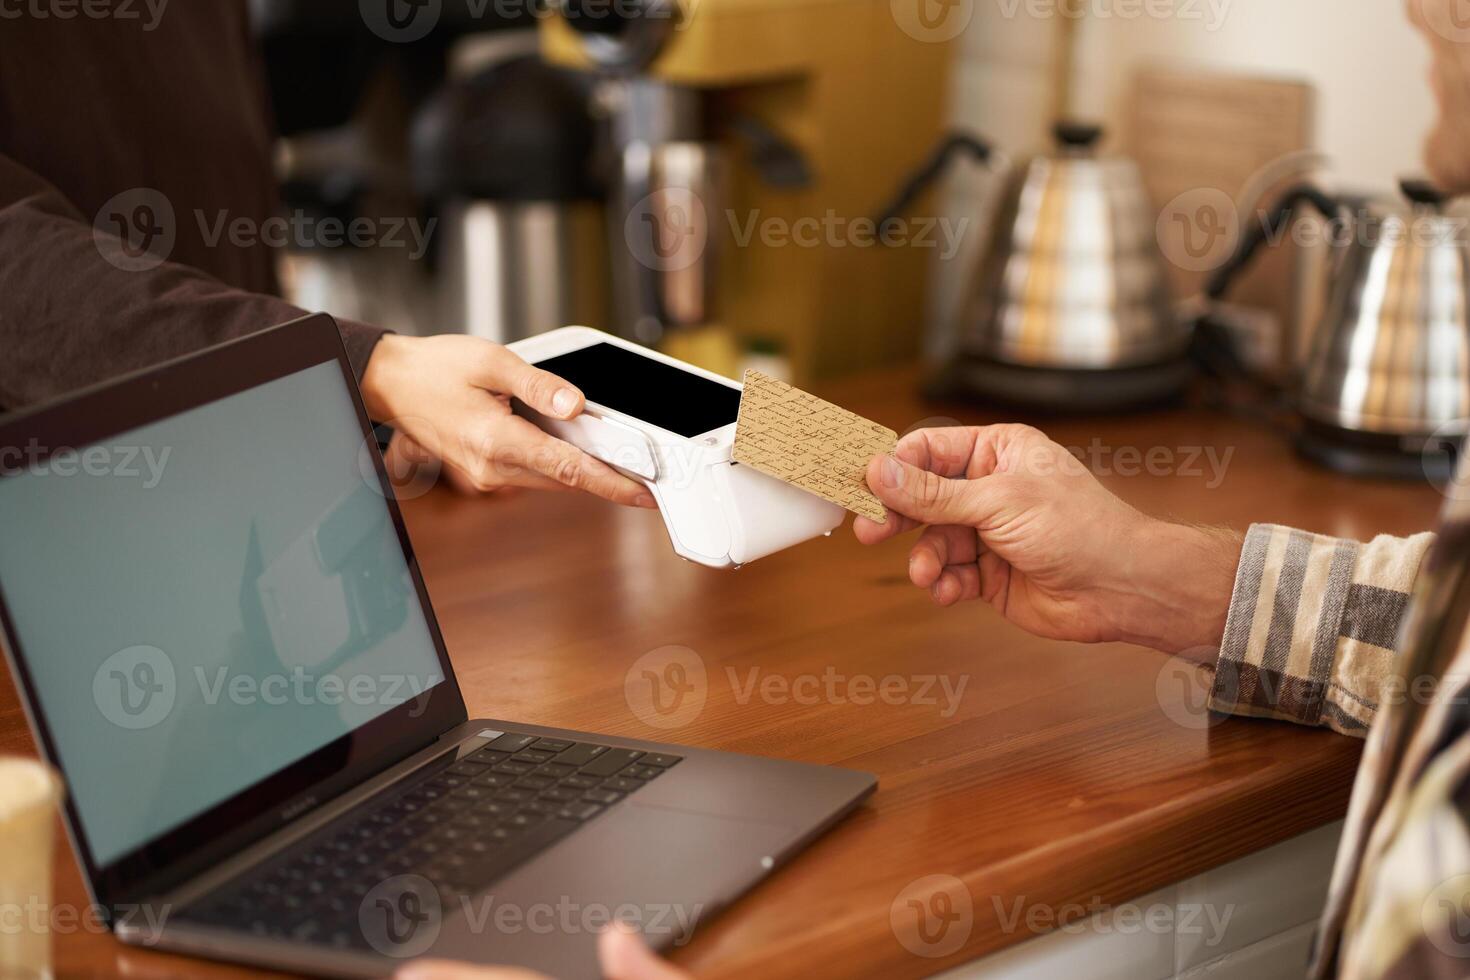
(1199, 136)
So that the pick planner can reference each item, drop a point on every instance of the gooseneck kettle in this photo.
(1387, 378)
(1069, 307)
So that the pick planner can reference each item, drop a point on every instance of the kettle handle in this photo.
(1271, 225)
(914, 184)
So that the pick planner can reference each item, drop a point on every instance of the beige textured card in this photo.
(810, 443)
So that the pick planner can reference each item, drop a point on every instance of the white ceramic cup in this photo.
(29, 793)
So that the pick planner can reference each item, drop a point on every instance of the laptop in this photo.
(219, 630)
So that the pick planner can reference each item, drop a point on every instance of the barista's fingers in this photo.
(460, 481)
(406, 450)
(406, 461)
(522, 446)
(492, 476)
(956, 584)
(448, 970)
(413, 470)
(871, 532)
(938, 546)
(513, 471)
(506, 373)
(624, 955)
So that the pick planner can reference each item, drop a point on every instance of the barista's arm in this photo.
(1297, 626)
(73, 311)
(69, 317)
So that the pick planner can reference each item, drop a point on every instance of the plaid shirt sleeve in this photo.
(1312, 625)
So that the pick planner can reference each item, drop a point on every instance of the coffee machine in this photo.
(748, 144)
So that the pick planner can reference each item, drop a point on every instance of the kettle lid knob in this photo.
(1077, 135)
(1421, 191)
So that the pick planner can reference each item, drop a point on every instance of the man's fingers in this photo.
(924, 496)
(946, 450)
(871, 532)
(995, 579)
(951, 452)
(938, 546)
(542, 390)
(957, 583)
(624, 956)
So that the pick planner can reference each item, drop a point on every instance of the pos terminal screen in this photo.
(647, 389)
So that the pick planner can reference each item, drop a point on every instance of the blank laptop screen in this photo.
(205, 600)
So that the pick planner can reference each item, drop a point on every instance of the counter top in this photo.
(1047, 774)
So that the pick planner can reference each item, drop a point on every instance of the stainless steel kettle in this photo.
(1069, 307)
(1387, 376)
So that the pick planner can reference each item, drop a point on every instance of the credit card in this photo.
(809, 443)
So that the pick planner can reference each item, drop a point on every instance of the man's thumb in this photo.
(921, 495)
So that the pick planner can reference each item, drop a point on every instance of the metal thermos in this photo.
(507, 157)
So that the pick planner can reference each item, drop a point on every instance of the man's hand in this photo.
(1447, 148)
(448, 398)
(622, 954)
(1015, 519)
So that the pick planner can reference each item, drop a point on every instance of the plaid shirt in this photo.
(1367, 639)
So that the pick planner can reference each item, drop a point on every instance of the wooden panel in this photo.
(1203, 138)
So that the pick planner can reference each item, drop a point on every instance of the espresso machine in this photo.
(729, 125)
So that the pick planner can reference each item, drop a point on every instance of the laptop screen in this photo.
(205, 600)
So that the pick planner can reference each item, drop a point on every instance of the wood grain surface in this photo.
(1062, 773)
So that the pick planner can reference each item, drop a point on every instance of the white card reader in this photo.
(671, 427)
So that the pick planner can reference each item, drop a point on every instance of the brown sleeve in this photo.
(74, 312)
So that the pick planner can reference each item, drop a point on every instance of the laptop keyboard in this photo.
(458, 829)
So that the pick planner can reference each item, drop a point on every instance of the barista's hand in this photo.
(1017, 520)
(622, 954)
(448, 398)
(1447, 148)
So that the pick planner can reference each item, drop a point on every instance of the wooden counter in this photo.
(1063, 774)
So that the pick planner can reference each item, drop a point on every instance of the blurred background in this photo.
(1056, 206)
